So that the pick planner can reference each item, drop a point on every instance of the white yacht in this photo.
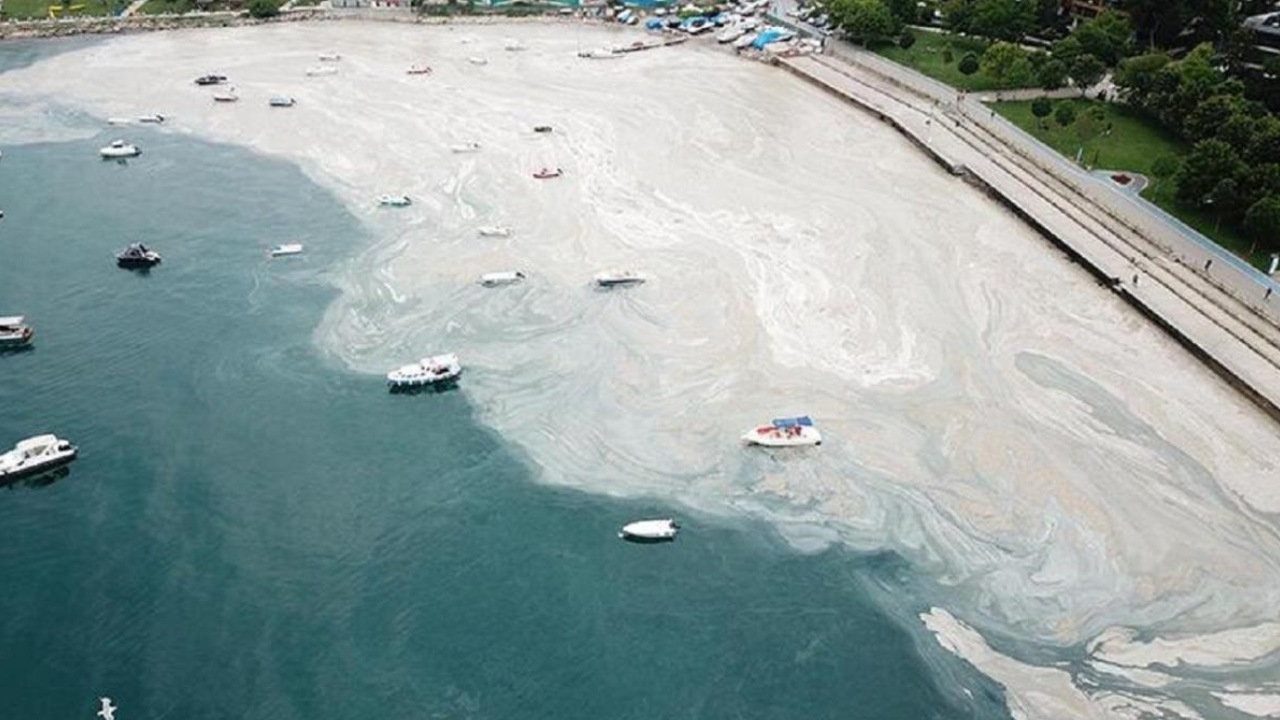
(318, 70)
(785, 432)
(602, 53)
(35, 454)
(226, 96)
(745, 41)
(612, 278)
(119, 149)
(282, 101)
(286, 249)
(14, 333)
(731, 33)
(650, 530)
(153, 118)
(394, 200)
(118, 121)
(330, 57)
(467, 147)
(498, 279)
(427, 371)
(477, 60)
(494, 231)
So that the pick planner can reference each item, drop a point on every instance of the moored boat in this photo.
(477, 60)
(153, 118)
(286, 249)
(211, 79)
(119, 149)
(394, 200)
(137, 255)
(498, 279)
(281, 101)
(226, 96)
(614, 278)
(433, 370)
(548, 173)
(542, 128)
(330, 57)
(785, 432)
(14, 333)
(419, 70)
(494, 231)
(467, 147)
(650, 530)
(35, 454)
(318, 70)
(600, 54)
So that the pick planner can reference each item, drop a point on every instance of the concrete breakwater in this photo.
(1235, 337)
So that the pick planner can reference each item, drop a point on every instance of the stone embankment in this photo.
(1222, 313)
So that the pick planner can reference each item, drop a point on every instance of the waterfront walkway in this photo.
(1214, 303)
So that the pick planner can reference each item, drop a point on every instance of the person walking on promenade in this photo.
(1208, 264)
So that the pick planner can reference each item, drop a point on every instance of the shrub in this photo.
(263, 9)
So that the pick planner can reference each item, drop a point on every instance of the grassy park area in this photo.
(1133, 144)
(929, 55)
(39, 9)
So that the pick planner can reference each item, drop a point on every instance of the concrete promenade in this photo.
(1215, 306)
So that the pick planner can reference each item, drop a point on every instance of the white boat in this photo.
(730, 34)
(494, 231)
(513, 46)
(330, 57)
(785, 432)
(119, 149)
(650, 530)
(467, 147)
(745, 41)
(118, 121)
(601, 54)
(286, 250)
(281, 101)
(427, 371)
(226, 96)
(317, 70)
(477, 60)
(419, 70)
(612, 278)
(394, 200)
(497, 279)
(34, 455)
(154, 118)
(13, 333)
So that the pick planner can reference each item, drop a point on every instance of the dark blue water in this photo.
(254, 532)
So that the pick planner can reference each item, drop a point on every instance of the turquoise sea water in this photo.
(252, 531)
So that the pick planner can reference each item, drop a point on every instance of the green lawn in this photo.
(1133, 145)
(928, 56)
(23, 9)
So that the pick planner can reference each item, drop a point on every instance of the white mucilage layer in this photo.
(988, 411)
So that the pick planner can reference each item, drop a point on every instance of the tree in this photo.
(1106, 37)
(1209, 116)
(906, 40)
(1163, 168)
(968, 64)
(262, 9)
(1067, 49)
(1087, 71)
(999, 59)
(1002, 19)
(864, 21)
(1052, 75)
(1042, 108)
(1064, 114)
(1136, 76)
(1209, 163)
(1262, 220)
(1225, 199)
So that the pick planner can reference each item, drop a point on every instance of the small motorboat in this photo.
(394, 200)
(119, 149)
(614, 278)
(650, 531)
(318, 70)
(13, 333)
(118, 121)
(494, 231)
(498, 279)
(286, 249)
(785, 432)
(211, 79)
(548, 173)
(35, 454)
(226, 96)
(745, 41)
(154, 118)
(281, 101)
(467, 147)
(330, 57)
(477, 60)
(433, 370)
(542, 128)
(137, 255)
(730, 34)
(419, 70)
(600, 54)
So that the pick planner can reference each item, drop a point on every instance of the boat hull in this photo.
(137, 263)
(41, 466)
(810, 437)
(17, 340)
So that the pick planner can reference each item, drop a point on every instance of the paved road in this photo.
(1221, 311)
